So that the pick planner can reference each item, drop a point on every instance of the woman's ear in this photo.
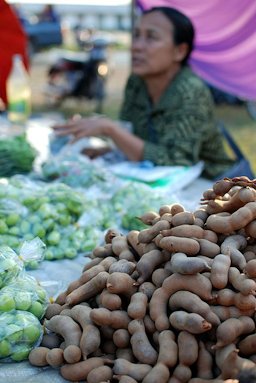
(181, 51)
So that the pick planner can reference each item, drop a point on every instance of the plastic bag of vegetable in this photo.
(20, 331)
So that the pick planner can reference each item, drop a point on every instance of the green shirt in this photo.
(180, 129)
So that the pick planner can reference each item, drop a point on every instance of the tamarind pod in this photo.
(241, 197)
(110, 234)
(91, 263)
(149, 217)
(187, 348)
(72, 354)
(79, 371)
(147, 288)
(54, 309)
(208, 260)
(182, 264)
(173, 379)
(61, 298)
(119, 244)
(204, 362)
(241, 282)
(222, 187)
(177, 208)
(229, 330)
(247, 346)
(90, 340)
(141, 347)
(201, 214)
(237, 220)
(139, 248)
(249, 255)
(55, 357)
(207, 248)
(182, 218)
(147, 235)
(149, 325)
(250, 229)
(121, 283)
(219, 271)
(110, 301)
(167, 217)
(138, 306)
(37, 356)
(245, 302)
(190, 231)
(209, 194)
(168, 349)
(199, 380)
(125, 353)
(181, 373)
(199, 222)
(234, 364)
(100, 374)
(121, 338)
(159, 373)
(197, 284)
(50, 341)
(104, 265)
(227, 297)
(173, 244)
(159, 275)
(66, 327)
(232, 246)
(102, 251)
(165, 209)
(191, 302)
(190, 322)
(124, 379)
(157, 239)
(89, 289)
(222, 353)
(115, 319)
(250, 267)
(122, 266)
(148, 262)
(231, 312)
(136, 371)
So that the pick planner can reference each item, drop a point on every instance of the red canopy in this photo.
(12, 40)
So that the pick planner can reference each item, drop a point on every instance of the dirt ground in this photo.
(119, 64)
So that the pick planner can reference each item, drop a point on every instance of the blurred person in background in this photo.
(13, 40)
(169, 107)
(48, 14)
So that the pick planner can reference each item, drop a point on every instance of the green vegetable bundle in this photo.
(16, 156)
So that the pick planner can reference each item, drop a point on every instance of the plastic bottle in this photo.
(18, 92)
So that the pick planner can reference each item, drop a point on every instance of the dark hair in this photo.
(183, 28)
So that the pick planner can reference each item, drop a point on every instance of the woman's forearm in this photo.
(131, 145)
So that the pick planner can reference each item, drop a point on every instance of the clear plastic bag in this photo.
(32, 252)
(10, 265)
(20, 331)
(25, 294)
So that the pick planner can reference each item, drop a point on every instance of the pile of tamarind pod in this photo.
(174, 302)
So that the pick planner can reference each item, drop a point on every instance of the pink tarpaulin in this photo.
(225, 45)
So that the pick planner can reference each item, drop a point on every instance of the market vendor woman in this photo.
(169, 107)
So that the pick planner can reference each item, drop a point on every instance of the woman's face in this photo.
(153, 48)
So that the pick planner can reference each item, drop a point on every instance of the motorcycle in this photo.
(79, 77)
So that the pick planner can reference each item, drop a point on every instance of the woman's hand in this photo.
(79, 127)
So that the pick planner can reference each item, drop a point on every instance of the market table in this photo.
(56, 275)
